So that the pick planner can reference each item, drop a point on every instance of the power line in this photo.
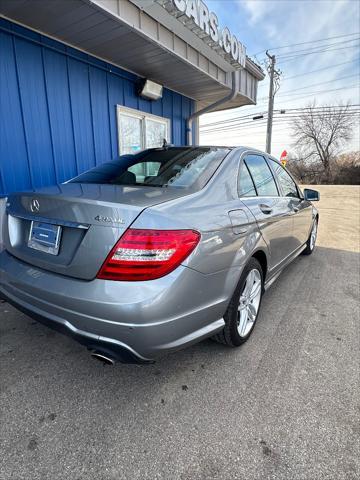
(262, 123)
(289, 59)
(247, 118)
(353, 113)
(260, 129)
(228, 114)
(309, 41)
(230, 127)
(311, 49)
(320, 107)
(289, 92)
(225, 122)
(324, 107)
(279, 120)
(294, 113)
(321, 92)
(320, 69)
(250, 128)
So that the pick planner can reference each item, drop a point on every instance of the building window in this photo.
(139, 130)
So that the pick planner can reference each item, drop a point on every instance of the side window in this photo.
(287, 184)
(246, 185)
(262, 176)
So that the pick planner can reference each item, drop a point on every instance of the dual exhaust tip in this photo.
(102, 357)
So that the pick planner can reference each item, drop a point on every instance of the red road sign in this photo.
(283, 156)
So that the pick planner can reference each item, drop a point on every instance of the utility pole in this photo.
(271, 70)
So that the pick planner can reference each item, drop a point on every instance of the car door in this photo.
(301, 210)
(259, 192)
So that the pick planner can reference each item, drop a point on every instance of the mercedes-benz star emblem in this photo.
(34, 205)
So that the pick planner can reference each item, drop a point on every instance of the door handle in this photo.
(265, 208)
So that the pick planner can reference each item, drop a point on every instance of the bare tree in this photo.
(320, 133)
(345, 169)
(305, 171)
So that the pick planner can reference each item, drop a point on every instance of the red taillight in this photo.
(148, 254)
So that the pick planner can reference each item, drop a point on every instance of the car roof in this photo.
(227, 147)
(239, 148)
(242, 148)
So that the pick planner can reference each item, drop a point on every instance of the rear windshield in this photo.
(172, 167)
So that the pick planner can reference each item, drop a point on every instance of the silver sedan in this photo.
(155, 251)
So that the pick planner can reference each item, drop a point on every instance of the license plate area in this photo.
(45, 237)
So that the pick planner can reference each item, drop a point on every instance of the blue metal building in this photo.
(69, 75)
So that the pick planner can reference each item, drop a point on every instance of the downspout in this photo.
(229, 97)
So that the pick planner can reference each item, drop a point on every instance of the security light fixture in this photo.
(150, 90)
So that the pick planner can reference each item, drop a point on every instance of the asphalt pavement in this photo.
(286, 405)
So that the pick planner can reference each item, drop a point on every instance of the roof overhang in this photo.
(142, 37)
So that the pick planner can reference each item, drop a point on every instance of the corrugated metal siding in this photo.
(58, 109)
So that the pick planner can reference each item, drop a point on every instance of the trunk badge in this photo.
(100, 218)
(34, 205)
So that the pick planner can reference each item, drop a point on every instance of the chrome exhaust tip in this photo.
(103, 358)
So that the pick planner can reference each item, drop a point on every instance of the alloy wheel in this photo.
(313, 235)
(249, 302)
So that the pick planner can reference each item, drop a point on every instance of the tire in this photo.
(234, 318)
(310, 245)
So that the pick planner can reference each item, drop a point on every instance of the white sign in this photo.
(209, 23)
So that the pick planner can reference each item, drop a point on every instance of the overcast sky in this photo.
(267, 24)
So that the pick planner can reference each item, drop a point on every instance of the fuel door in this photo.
(239, 221)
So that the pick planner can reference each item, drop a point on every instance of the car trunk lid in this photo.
(88, 219)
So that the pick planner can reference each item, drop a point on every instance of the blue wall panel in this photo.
(14, 165)
(177, 129)
(100, 114)
(61, 124)
(81, 114)
(115, 97)
(36, 118)
(131, 99)
(58, 109)
(157, 108)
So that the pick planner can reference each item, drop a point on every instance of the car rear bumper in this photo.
(109, 346)
(129, 321)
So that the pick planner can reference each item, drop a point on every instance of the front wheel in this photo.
(244, 306)
(310, 244)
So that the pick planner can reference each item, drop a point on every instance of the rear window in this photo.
(172, 167)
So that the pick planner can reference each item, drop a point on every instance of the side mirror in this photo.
(311, 195)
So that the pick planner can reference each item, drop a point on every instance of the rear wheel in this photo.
(243, 309)
(310, 244)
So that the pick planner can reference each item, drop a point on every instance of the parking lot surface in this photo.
(286, 405)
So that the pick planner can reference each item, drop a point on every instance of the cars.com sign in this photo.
(209, 23)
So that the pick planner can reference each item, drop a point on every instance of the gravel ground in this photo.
(286, 405)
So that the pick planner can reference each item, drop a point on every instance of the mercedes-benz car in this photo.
(157, 250)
